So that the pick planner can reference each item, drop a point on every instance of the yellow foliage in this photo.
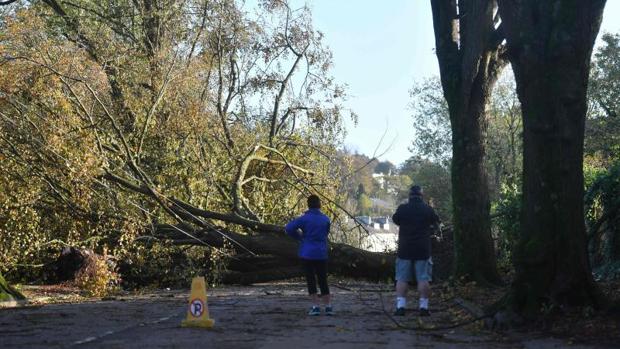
(77, 103)
(96, 276)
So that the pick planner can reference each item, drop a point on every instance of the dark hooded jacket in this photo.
(415, 220)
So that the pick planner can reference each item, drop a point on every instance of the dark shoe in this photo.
(399, 312)
(315, 311)
(329, 311)
(424, 312)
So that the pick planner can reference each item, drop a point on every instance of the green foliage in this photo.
(602, 204)
(8, 293)
(432, 135)
(402, 183)
(364, 205)
(435, 181)
(602, 159)
(504, 139)
(385, 167)
(603, 124)
(507, 228)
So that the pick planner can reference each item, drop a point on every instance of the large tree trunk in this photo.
(550, 43)
(474, 250)
(470, 59)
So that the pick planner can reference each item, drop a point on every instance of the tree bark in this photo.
(344, 260)
(474, 250)
(550, 44)
(470, 58)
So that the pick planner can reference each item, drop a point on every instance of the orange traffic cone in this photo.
(198, 311)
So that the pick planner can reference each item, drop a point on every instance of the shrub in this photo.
(508, 208)
(97, 276)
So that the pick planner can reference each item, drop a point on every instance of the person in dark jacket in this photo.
(415, 220)
(311, 230)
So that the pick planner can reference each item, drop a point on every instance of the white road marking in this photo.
(107, 333)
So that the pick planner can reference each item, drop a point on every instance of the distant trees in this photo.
(385, 167)
(603, 123)
(435, 181)
(357, 179)
(364, 205)
(602, 158)
(432, 139)
(504, 138)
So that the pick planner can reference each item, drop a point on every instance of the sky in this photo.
(380, 49)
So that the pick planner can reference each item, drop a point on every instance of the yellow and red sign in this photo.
(198, 311)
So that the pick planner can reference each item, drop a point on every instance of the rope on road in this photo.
(385, 290)
(420, 328)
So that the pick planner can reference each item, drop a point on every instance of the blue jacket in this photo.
(315, 228)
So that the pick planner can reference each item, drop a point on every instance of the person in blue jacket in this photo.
(311, 230)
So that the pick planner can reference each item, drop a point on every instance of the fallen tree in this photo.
(268, 256)
(194, 228)
(345, 260)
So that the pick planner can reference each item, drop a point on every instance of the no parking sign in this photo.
(196, 307)
(197, 311)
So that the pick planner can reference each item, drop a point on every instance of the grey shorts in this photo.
(405, 269)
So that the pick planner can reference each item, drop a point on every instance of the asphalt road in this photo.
(265, 316)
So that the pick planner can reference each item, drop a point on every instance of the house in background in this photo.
(383, 180)
(379, 223)
(380, 178)
(384, 222)
(365, 220)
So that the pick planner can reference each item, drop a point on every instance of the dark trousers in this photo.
(316, 269)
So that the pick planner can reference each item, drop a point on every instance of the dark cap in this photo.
(416, 190)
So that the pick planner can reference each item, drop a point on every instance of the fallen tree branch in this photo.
(343, 259)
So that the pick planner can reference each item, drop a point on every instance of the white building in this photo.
(384, 223)
(380, 178)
